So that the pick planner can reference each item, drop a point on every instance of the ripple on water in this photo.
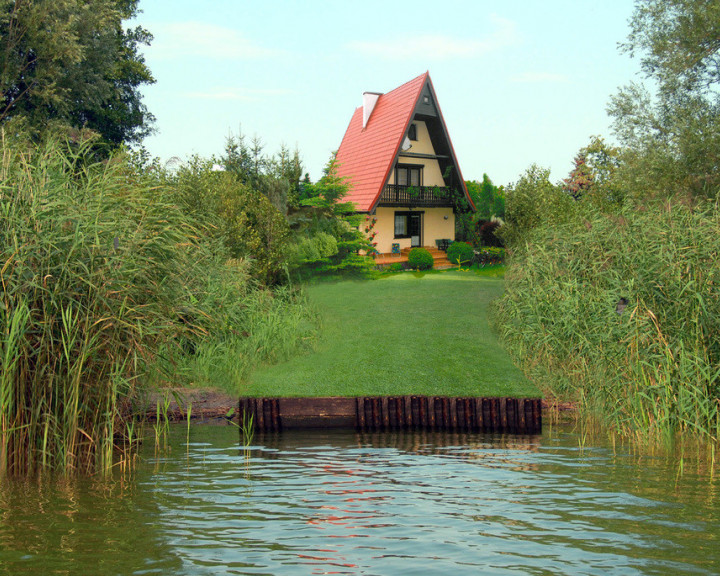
(344, 503)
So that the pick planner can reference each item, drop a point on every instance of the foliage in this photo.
(489, 201)
(312, 250)
(277, 176)
(244, 220)
(532, 202)
(489, 256)
(460, 253)
(621, 312)
(97, 269)
(581, 179)
(487, 233)
(110, 279)
(672, 132)
(70, 63)
(420, 259)
(259, 327)
(323, 211)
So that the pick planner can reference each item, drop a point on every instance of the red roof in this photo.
(366, 156)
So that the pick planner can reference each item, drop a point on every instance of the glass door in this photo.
(415, 229)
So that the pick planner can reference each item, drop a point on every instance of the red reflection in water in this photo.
(361, 507)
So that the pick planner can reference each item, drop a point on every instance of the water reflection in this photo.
(347, 503)
(55, 526)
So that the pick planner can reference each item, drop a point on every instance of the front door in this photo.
(414, 229)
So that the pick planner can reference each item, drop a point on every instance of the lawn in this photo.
(404, 334)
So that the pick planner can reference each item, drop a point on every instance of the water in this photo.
(385, 504)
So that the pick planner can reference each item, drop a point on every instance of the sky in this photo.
(518, 81)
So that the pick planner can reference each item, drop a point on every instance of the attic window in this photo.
(426, 99)
(412, 132)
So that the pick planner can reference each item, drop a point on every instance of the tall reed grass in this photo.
(622, 312)
(94, 266)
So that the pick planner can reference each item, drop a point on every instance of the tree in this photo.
(330, 215)
(532, 202)
(581, 179)
(672, 132)
(277, 177)
(71, 64)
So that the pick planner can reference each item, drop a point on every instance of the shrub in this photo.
(460, 253)
(420, 259)
(490, 255)
(396, 267)
(487, 234)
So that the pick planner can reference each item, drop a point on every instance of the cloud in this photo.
(203, 40)
(440, 47)
(538, 77)
(236, 94)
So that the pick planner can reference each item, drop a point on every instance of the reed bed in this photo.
(111, 283)
(89, 279)
(622, 312)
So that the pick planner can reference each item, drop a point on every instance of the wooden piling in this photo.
(389, 413)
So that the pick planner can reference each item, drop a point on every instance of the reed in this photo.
(622, 313)
(260, 326)
(94, 265)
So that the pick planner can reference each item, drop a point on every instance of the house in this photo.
(397, 156)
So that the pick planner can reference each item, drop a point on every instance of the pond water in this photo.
(381, 504)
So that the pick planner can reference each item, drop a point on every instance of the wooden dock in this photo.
(388, 413)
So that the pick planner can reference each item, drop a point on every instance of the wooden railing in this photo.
(397, 195)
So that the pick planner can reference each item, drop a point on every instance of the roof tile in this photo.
(365, 155)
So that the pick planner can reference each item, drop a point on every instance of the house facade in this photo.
(399, 161)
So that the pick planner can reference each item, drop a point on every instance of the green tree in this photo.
(277, 177)
(71, 64)
(672, 131)
(325, 212)
(534, 201)
(243, 221)
(489, 201)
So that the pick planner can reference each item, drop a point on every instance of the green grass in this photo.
(409, 333)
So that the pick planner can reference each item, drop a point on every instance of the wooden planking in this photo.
(384, 413)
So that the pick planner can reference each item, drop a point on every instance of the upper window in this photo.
(408, 175)
(412, 132)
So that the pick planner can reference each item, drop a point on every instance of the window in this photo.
(408, 225)
(400, 225)
(412, 132)
(408, 175)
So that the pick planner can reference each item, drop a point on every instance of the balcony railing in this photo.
(397, 195)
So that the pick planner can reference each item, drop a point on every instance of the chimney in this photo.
(369, 101)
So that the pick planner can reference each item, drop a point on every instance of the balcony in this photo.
(397, 195)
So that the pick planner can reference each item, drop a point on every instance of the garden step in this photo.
(443, 263)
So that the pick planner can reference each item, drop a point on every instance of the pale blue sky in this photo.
(518, 81)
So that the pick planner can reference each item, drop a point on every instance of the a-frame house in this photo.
(399, 161)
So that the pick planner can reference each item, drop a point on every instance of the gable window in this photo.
(412, 132)
(408, 175)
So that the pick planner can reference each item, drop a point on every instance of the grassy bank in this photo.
(622, 313)
(405, 334)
